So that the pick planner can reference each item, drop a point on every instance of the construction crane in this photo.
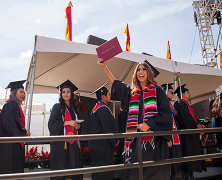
(206, 14)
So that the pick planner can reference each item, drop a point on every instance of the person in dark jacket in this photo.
(191, 143)
(63, 121)
(148, 110)
(101, 122)
(12, 124)
(174, 144)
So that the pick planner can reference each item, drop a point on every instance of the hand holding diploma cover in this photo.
(109, 49)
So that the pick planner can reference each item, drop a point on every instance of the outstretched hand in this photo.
(101, 62)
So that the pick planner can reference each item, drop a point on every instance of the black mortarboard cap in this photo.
(155, 71)
(183, 90)
(16, 85)
(100, 91)
(67, 84)
(164, 86)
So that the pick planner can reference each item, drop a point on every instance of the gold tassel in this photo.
(65, 147)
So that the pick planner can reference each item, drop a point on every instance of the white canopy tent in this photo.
(54, 61)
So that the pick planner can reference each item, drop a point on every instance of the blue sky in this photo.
(151, 25)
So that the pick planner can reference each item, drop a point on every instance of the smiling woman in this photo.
(144, 108)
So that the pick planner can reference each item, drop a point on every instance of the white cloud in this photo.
(38, 21)
(10, 62)
(74, 21)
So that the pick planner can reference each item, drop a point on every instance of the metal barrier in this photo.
(140, 164)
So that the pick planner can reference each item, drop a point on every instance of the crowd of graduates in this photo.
(145, 106)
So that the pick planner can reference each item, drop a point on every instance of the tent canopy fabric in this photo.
(59, 60)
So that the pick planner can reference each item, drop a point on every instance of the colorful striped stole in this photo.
(149, 110)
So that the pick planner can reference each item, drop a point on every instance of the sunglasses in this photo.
(172, 93)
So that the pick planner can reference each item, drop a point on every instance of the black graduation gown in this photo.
(62, 158)
(161, 122)
(12, 155)
(102, 150)
(191, 143)
(175, 152)
(218, 123)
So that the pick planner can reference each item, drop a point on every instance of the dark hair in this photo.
(217, 110)
(72, 103)
(210, 109)
(13, 96)
(98, 93)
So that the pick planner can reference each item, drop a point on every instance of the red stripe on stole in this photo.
(151, 107)
(134, 97)
(152, 92)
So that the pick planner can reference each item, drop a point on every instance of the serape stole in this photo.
(149, 110)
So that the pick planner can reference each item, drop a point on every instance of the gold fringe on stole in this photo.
(65, 147)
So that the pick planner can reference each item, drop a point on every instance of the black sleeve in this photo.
(163, 120)
(184, 118)
(11, 119)
(55, 124)
(108, 123)
(121, 92)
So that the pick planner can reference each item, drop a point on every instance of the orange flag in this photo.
(168, 56)
(68, 16)
(127, 38)
(220, 58)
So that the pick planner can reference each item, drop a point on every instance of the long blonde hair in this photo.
(150, 76)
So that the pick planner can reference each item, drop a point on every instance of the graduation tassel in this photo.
(180, 89)
(167, 89)
(59, 93)
(6, 94)
(65, 146)
(101, 102)
(219, 101)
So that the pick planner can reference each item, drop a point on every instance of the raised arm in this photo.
(108, 73)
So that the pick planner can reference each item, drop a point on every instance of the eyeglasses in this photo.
(172, 93)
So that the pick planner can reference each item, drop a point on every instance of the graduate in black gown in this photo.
(12, 124)
(101, 122)
(62, 121)
(174, 144)
(217, 114)
(191, 143)
(148, 110)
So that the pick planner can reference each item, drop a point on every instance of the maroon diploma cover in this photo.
(109, 49)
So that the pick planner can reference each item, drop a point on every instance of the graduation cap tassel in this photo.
(180, 89)
(59, 94)
(167, 89)
(6, 95)
(219, 101)
(101, 97)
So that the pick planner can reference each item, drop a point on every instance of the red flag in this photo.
(68, 16)
(220, 58)
(127, 38)
(168, 56)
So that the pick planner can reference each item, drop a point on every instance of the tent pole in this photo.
(31, 90)
(27, 95)
(175, 83)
